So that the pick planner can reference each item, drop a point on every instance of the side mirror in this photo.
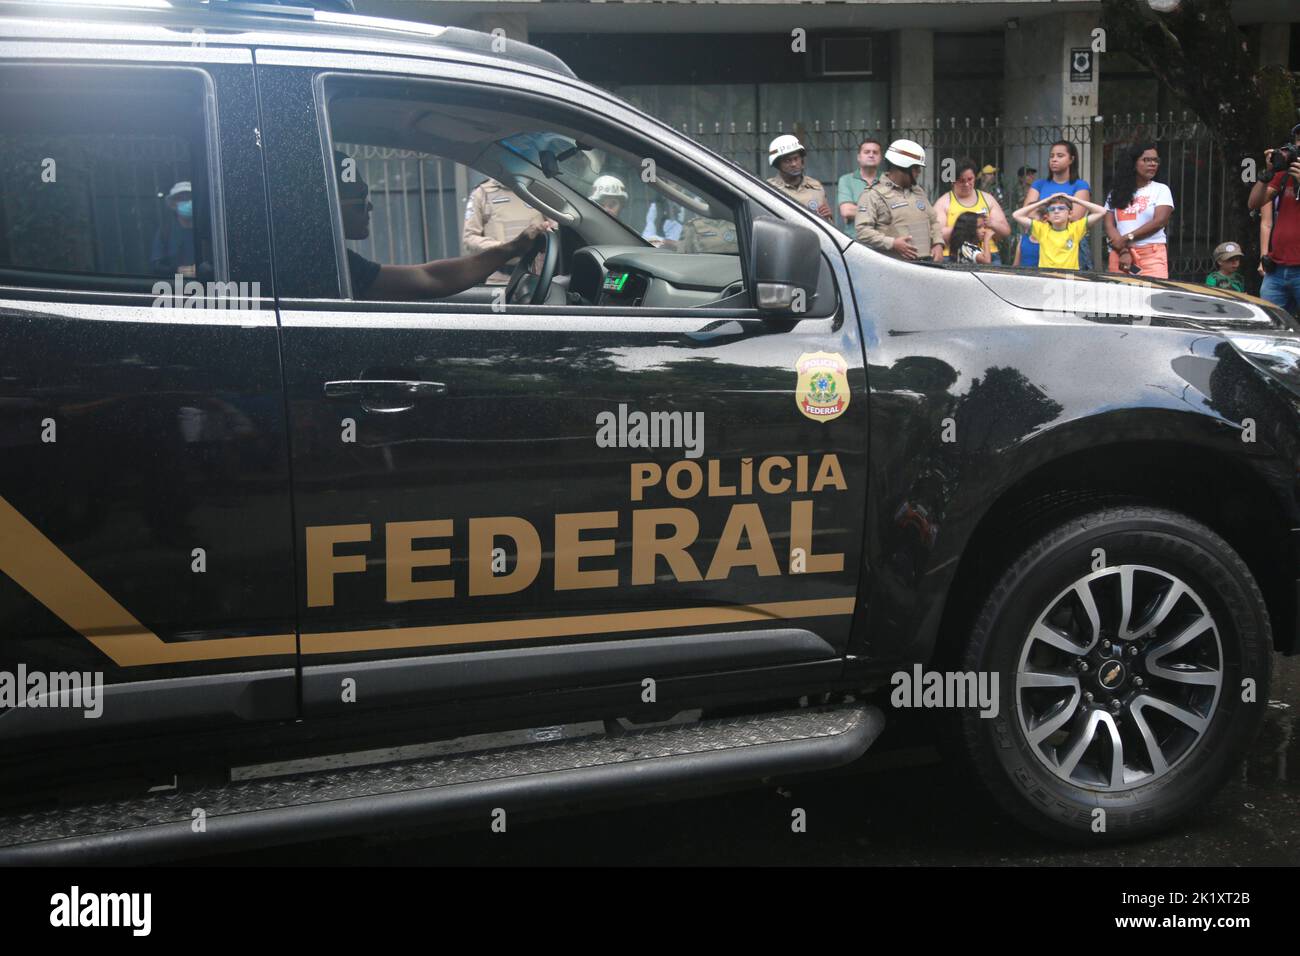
(787, 265)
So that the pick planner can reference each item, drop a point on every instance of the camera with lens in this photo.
(1283, 157)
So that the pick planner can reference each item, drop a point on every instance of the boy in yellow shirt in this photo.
(1058, 239)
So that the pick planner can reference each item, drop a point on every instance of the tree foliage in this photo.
(1199, 52)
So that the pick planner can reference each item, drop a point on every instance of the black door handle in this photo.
(348, 388)
(385, 394)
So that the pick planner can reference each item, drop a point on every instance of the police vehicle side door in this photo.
(461, 531)
(144, 494)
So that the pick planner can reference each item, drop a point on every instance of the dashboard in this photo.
(637, 276)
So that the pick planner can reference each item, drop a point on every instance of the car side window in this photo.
(103, 177)
(423, 173)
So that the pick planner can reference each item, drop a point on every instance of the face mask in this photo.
(186, 208)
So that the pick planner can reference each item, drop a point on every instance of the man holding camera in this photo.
(1281, 261)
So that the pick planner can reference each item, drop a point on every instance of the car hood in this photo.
(1137, 300)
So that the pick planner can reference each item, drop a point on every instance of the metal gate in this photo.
(419, 200)
(1190, 162)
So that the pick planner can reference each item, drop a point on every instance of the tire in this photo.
(1174, 703)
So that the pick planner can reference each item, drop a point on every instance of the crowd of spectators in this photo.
(1050, 216)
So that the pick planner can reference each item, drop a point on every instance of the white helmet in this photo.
(607, 186)
(783, 145)
(905, 154)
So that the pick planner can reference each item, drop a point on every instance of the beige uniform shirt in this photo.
(494, 215)
(887, 211)
(809, 193)
(709, 235)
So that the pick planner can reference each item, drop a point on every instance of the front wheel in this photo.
(1133, 652)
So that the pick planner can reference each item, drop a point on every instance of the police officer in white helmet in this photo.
(609, 193)
(786, 155)
(895, 215)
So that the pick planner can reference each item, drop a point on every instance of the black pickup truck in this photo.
(703, 512)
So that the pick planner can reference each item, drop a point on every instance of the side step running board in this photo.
(349, 801)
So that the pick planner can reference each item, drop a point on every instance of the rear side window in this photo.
(104, 177)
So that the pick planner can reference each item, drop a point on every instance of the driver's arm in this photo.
(444, 277)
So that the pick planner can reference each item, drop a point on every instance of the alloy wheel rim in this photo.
(1119, 678)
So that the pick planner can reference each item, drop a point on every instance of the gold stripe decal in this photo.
(38, 566)
(483, 632)
(47, 574)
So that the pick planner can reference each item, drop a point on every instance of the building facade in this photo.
(995, 80)
(712, 66)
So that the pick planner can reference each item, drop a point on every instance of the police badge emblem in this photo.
(822, 387)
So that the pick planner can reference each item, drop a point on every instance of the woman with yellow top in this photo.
(966, 198)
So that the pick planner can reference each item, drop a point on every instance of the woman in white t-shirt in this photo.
(1138, 209)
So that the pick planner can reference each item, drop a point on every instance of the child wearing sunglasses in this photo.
(1058, 238)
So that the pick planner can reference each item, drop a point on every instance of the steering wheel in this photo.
(550, 258)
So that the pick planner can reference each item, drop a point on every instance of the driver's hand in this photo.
(528, 238)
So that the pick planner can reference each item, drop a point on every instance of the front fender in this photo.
(963, 412)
